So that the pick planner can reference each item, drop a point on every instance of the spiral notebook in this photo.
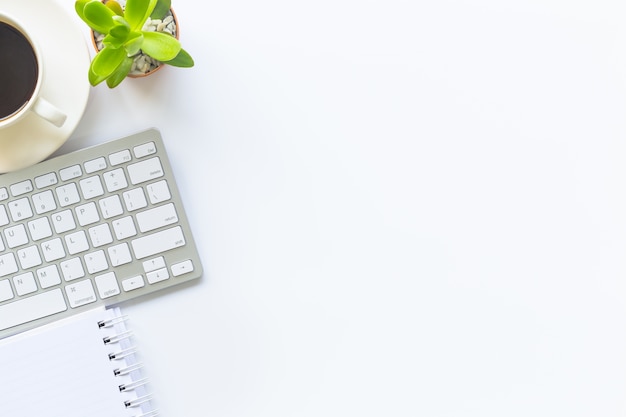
(84, 366)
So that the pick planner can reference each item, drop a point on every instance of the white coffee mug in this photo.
(21, 76)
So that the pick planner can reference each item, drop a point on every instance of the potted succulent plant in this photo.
(125, 37)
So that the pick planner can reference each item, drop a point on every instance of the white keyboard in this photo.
(94, 227)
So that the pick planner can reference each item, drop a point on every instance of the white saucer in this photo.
(66, 59)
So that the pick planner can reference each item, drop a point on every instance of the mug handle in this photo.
(44, 109)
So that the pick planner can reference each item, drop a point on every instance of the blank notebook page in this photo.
(61, 370)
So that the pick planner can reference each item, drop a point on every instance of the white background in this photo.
(403, 208)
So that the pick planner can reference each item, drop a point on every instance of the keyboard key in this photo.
(4, 219)
(158, 192)
(3, 194)
(25, 283)
(119, 254)
(100, 235)
(29, 257)
(95, 165)
(70, 172)
(39, 228)
(91, 187)
(6, 292)
(119, 157)
(158, 242)
(107, 285)
(67, 194)
(111, 206)
(144, 150)
(115, 180)
(31, 308)
(7, 264)
(133, 283)
(124, 228)
(182, 268)
(53, 250)
(44, 202)
(87, 214)
(157, 276)
(46, 180)
(20, 209)
(76, 242)
(80, 293)
(154, 264)
(157, 217)
(145, 171)
(21, 187)
(63, 221)
(96, 262)
(16, 236)
(72, 269)
(48, 276)
(134, 199)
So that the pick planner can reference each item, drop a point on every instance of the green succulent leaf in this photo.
(183, 59)
(120, 30)
(98, 16)
(137, 12)
(105, 63)
(94, 79)
(120, 73)
(119, 20)
(79, 6)
(161, 9)
(133, 44)
(110, 41)
(160, 46)
(115, 6)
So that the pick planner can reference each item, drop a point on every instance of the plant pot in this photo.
(151, 65)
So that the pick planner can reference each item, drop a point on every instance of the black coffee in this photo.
(18, 70)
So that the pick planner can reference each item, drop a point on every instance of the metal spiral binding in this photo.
(133, 385)
(122, 353)
(112, 322)
(128, 369)
(114, 339)
(136, 402)
(122, 338)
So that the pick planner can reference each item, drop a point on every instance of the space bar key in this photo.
(31, 308)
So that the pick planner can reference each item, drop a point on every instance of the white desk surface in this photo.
(404, 208)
